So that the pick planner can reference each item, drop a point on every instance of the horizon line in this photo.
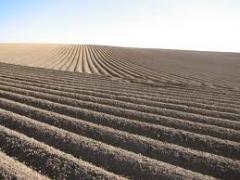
(120, 46)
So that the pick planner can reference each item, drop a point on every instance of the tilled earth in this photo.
(69, 125)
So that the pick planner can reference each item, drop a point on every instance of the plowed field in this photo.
(121, 117)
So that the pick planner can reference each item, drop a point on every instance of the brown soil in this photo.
(130, 114)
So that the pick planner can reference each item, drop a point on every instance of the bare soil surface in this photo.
(177, 66)
(98, 112)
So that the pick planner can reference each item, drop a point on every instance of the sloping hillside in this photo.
(87, 126)
(182, 67)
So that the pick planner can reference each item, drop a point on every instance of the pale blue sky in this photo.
(174, 24)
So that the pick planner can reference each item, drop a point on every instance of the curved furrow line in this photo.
(54, 59)
(33, 75)
(169, 153)
(71, 60)
(106, 63)
(68, 59)
(49, 78)
(201, 81)
(48, 160)
(184, 124)
(206, 91)
(185, 73)
(165, 103)
(98, 66)
(113, 66)
(51, 58)
(182, 87)
(162, 73)
(206, 78)
(58, 58)
(179, 95)
(79, 67)
(165, 110)
(152, 96)
(116, 83)
(101, 60)
(142, 53)
(115, 113)
(83, 60)
(74, 62)
(210, 130)
(62, 60)
(141, 72)
(122, 161)
(137, 69)
(117, 64)
(145, 72)
(132, 86)
(118, 60)
(86, 68)
(175, 94)
(54, 64)
(118, 54)
(45, 54)
(187, 78)
(92, 67)
(178, 107)
(179, 75)
(120, 93)
(183, 138)
(12, 169)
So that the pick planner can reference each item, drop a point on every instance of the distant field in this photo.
(191, 67)
(132, 113)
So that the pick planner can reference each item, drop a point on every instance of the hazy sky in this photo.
(175, 24)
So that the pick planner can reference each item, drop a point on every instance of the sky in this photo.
(208, 25)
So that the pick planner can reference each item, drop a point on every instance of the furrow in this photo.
(133, 94)
(143, 117)
(116, 64)
(142, 108)
(96, 63)
(86, 68)
(68, 60)
(102, 62)
(50, 161)
(92, 67)
(55, 64)
(60, 62)
(79, 67)
(163, 101)
(12, 169)
(72, 60)
(199, 142)
(112, 66)
(165, 86)
(177, 155)
(122, 162)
